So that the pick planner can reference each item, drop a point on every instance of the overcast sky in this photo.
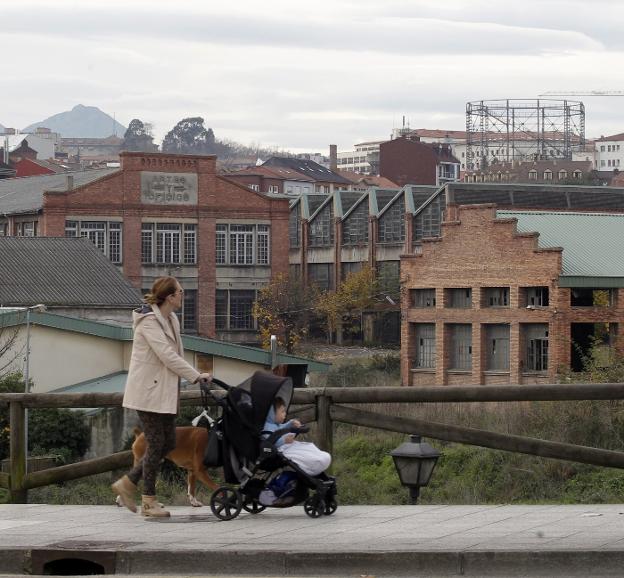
(301, 75)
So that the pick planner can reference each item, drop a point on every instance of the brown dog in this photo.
(188, 454)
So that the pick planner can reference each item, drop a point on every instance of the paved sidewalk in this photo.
(356, 541)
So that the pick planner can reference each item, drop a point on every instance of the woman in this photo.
(153, 388)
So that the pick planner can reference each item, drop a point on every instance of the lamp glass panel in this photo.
(426, 470)
(409, 470)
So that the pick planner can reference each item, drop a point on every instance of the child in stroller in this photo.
(251, 460)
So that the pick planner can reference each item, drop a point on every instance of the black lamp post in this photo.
(414, 461)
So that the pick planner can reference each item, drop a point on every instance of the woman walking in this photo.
(153, 388)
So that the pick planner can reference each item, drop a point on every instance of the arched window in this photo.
(563, 174)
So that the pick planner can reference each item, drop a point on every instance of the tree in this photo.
(342, 309)
(282, 309)
(138, 137)
(190, 136)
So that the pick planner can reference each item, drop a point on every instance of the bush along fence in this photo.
(327, 406)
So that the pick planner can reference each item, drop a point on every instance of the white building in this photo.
(609, 152)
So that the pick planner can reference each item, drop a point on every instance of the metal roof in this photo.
(25, 194)
(60, 271)
(593, 244)
(11, 317)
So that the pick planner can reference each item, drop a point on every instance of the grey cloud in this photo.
(416, 35)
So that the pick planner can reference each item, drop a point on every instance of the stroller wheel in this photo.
(226, 503)
(314, 507)
(253, 506)
(331, 507)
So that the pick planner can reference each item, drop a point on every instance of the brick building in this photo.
(163, 214)
(549, 285)
(407, 161)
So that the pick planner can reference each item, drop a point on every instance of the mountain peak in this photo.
(81, 122)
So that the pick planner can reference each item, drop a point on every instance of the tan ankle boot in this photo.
(152, 508)
(126, 491)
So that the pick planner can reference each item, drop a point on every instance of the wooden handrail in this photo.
(325, 406)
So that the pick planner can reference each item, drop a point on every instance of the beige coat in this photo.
(157, 363)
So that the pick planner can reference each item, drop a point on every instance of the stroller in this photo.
(251, 463)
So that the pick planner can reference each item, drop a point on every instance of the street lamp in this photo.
(39, 308)
(414, 461)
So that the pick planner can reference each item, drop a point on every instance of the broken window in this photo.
(535, 296)
(294, 227)
(460, 338)
(536, 346)
(459, 298)
(388, 279)
(496, 297)
(591, 297)
(425, 350)
(423, 297)
(322, 275)
(347, 268)
(497, 347)
(592, 345)
(427, 222)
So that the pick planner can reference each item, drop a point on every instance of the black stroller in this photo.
(251, 462)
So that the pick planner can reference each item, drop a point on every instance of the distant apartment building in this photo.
(609, 152)
(406, 160)
(274, 180)
(165, 214)
(93, 149)
(556, 171)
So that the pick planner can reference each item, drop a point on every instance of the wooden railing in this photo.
(326, 406)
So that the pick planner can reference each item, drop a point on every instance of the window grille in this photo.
(425, 350)
(322, 227)
(294, 227)
(423, 297)
(496, 297)
(190, 244)
(189, 311)
(355, 226)
(241, 306)
(536, 342)
(321, 274)
(221, 245)
(114, 242)
(497, 347)
(147, 243)
(461, 346)
(427, 222)
(391, 227)
(388, 278)
(263, 245)
(168, 243)
(221, 309)
(95, 231)
(460, 298)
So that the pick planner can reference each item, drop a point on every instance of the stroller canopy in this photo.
(249, 405)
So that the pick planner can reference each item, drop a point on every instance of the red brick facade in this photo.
(118, 198)
(480, 252)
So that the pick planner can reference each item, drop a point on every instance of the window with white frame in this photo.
(497, 347)
(460, 338)
(238, 244)
(536, 346)
(273, 189)
(424, 346)
(533, 175)
(164, 243)
(105, 235)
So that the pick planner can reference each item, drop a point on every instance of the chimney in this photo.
(333, 157)
(70, 182)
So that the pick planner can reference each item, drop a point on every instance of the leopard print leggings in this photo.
(159, 429)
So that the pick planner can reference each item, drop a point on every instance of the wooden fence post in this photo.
(325, 435)
(17, 453)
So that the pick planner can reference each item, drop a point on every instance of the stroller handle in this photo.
(204, 384)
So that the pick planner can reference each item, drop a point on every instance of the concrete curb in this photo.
(346, 563)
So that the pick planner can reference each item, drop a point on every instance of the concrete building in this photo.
(163, 214)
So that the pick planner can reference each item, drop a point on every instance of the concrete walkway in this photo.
(356, 541)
